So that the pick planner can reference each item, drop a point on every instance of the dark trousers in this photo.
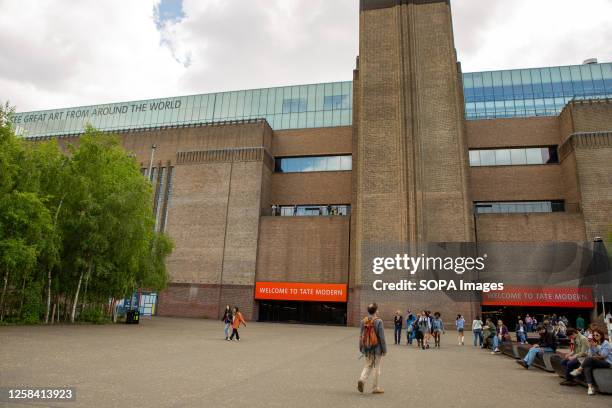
(436, 335)
(398, 334)
(569, 366)
(235, 333)
(589, 364)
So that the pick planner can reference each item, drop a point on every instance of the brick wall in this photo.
(559, 227)
(514, 132)
(311, 188)
(312, 142)
(303, 249)
(411, 172)
(516, 183)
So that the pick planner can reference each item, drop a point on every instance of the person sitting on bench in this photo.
(572, 360)
(600, 356)
(501, 335)
(521, 332)
(548, 343)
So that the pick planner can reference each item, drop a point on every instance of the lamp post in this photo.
(597, 241)
(153, 147)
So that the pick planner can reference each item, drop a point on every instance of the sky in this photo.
(62, 53)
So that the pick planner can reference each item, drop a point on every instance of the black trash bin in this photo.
(132, 317)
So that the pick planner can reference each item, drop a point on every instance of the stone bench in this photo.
(602, 376)
(541, 361)
(510, 349)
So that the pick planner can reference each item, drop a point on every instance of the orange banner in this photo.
(308, 292)
(540, 297)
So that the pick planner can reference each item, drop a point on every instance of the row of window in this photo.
(514, 157)
(162, 180)
(513, 207)
(492, 94)
(333, 102)
(533, 92)
(311, 210)
(313, 163)
(290, 107)
(538, 82)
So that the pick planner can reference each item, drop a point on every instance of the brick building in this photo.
(278, 198)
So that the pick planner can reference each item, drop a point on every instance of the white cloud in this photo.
(501, 34)
(63, 53)
(67, 53)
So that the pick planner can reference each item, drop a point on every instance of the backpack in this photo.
(423, 325)
(369, 340)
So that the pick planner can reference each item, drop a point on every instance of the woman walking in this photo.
(437, 326)
(460, 324)
(236, 321)
(227, 320)
(477, 331)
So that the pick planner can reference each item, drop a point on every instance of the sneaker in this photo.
(591, 390)
(575, 373)
(378, 390)
(360, 386)
(522, 363)
(227, 339)
(568, 383)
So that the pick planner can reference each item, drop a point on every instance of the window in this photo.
(516, 207)
(313, 210)
(514, 157)
(336, 102)
(170, 186)
(160, 195)
(313, 163)
(474, 158)
(295, 105)
(487, 157)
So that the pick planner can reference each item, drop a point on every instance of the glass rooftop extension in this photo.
(488, 95)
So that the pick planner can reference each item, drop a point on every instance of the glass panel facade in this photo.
(533, 92)
(291, 107)
(313, 163)
(514, 157)
(513, 207)
(488, 95)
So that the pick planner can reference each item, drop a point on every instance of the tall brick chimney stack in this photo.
(410, 156)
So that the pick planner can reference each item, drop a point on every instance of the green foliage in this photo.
(93, 314)
(81, 215)
(32, 305)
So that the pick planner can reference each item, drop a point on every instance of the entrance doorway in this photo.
(510, 314)
(302, 312)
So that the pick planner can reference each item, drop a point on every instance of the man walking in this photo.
(398, 322)
(373, 346)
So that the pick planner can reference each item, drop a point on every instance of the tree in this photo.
(111, 229)
(24, 219)
(76, 223)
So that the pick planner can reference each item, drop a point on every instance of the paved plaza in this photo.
(168, 362)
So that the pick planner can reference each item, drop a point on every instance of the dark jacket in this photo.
(548, 339)
(518, 326)
(398, 321)
(502, 330)
(227, 316)
(381, 348)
